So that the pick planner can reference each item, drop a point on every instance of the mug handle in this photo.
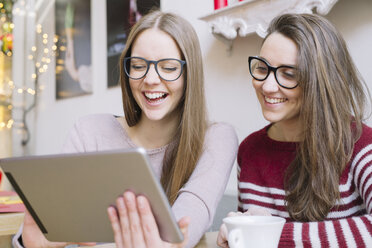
(236, 239)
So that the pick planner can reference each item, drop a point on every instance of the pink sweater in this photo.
(262, 163)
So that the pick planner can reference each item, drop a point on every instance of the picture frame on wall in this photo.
(73, 58)
(121, 16)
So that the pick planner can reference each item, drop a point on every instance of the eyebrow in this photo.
(291, 66)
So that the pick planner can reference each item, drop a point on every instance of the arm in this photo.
(199, 198)
(74, 142)
(348, 232)
(353, 231)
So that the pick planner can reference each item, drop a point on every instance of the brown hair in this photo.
(183, 154)
(332, 111)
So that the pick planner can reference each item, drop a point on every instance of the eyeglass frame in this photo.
(155, 63)
(270, 69)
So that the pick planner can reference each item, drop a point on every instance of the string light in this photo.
(41, 55)
(9, 124)
(6, 45)
(41, 67)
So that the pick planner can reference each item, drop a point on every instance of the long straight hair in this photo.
(334, 103)
(183, 153)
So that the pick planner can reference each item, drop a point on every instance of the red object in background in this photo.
(220, 4)
(10, 202)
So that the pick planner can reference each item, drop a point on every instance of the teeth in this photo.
(274, 100)
(154, 95)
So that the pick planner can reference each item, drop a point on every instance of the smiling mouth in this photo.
(274, 100)
(155, 97)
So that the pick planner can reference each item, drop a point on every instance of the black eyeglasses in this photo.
(168, 69)
(285, 75)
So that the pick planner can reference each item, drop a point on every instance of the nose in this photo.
(270, 84)
(152, 76)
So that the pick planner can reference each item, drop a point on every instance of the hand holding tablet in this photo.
(68, 195)
(134, 224)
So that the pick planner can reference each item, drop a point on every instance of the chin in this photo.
(154, 116)
(272, 118)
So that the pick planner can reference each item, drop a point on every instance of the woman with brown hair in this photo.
(162, 85)
(313, 163)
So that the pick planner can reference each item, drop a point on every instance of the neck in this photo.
(287, 132)
(153, 134)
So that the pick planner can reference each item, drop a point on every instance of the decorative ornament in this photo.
(6, 43)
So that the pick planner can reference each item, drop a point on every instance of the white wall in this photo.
(230, 96)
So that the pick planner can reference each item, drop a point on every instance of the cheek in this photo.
(296, 100)
(257, 85)
(133, 86)
(295, 95)
(134, 90)
(178, 89)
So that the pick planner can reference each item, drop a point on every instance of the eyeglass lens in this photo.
(284, 75)
(167, 69)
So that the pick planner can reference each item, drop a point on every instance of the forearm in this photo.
(348, 232)
(187, 204)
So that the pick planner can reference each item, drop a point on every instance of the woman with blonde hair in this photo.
(162, 85)
(313, 163)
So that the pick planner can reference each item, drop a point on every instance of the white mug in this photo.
(254, 231)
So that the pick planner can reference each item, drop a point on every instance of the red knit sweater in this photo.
(261, 166)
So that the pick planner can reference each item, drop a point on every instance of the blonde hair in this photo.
(334, 102)
(182, 156)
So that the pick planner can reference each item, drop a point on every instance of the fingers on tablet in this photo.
(149, 227)
(115, 224)
(134, 219)
(133, 222)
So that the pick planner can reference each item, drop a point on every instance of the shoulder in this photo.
(90, 126)
(367, 131)
(254, 138)
(221, 136)
(365, 140)
(221, 128)
(94, 132)
(221, 131)
(96, 121)
(362, 154)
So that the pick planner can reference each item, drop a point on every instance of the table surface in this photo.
(207, 241)
(10, 223)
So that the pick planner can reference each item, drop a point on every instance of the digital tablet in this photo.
(68, 194)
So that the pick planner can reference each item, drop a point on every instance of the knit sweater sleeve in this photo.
(199, 198)
(352, 231)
